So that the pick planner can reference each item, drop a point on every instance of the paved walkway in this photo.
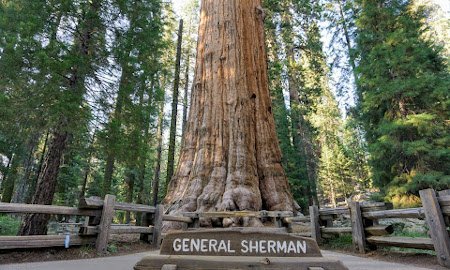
(128, 261)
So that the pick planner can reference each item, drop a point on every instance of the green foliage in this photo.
(404, 89)
(9, 225)
(318, 148)
(110, 95)
(112, 248)
(341, 242)
(47, 75)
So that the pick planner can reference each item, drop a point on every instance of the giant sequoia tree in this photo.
(230, 159)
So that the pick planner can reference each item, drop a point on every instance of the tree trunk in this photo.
(33, 224)
(5, 172)
(10, 180)
(301, 134)
(230, 159)
(173, 121)
(46, 185)
(38, 171)
(185, 98)
(145, 141)
(114, 127)
(351, 54)
(87, 170)
(155, 183)
(129, 182)
(24, 182)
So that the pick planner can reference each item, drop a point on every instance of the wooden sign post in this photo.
(237, 248)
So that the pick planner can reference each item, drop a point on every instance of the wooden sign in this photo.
(237, 248)
(238, 242)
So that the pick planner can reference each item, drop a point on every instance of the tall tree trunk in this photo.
(114, 127)
(230, 159)
(301, 134)
(10, 180)
(87, 169)
(46, 185)
(143, 153)
(159, 134)
(186, 93)
(45, 189)
(351, 54)
(173, 120)
(129, 182)
(23, 184)
(109, 170)
(35, 179)
(5, 172)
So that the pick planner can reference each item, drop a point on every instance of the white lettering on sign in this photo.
(247, 246)
(202, 245)
(281, 246)
(271, 246)
(176, 244)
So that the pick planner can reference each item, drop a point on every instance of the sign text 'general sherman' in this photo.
(238, 242)
(246, 246)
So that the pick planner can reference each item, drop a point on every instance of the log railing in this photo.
(366, 231)
(97, 227)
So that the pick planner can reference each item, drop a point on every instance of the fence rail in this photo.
(365, 229)
(96, 230)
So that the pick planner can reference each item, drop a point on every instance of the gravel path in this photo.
(128, 261)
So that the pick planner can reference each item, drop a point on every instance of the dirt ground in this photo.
(419, 258)
(119, 245)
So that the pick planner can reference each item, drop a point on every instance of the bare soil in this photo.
(419, 258)
(127, 244)
(119, 245)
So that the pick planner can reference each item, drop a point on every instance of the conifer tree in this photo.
(173, 116)
(404, 88)
(80, 64)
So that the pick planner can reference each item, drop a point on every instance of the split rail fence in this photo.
(97, 227)
(367, 233)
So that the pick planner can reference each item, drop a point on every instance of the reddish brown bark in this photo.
(230, 159)
(46, 185)
(45, 188)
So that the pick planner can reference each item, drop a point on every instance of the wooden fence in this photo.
(366, 231)
(96, 230)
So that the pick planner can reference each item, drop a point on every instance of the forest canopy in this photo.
(95, 95)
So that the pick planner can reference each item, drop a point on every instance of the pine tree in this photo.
(78, 66)
(173, 116)
(293, 159)
(404, 88)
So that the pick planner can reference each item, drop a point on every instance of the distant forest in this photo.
(94, 97)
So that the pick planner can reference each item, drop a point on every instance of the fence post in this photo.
(441, 193)
(315, 226)
(358, 237)
(146, 219)
(105, 223)
(157, 225)
(435, 220)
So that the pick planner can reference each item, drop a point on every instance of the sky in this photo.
(347, 99)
